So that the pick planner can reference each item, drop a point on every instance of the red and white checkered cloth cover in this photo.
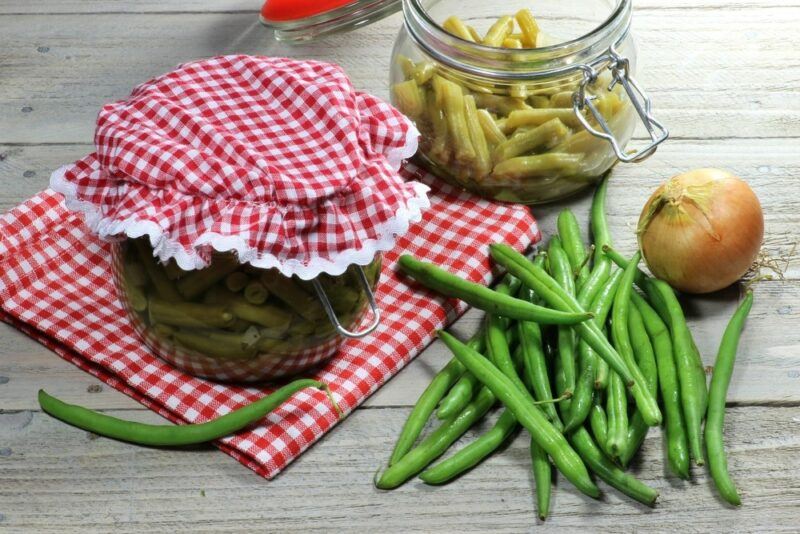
(279, 159)
(55, 286)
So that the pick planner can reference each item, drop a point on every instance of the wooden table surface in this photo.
(724, 76)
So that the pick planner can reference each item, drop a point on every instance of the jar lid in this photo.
(279, 160)
(303, 20)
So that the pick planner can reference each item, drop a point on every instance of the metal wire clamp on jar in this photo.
(586, 80)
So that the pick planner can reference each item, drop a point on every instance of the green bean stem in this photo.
(520, 403)
(174, 435)
(484, 298)
(437, 442)
(723, 369)
(472, 454)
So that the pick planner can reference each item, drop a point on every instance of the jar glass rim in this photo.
(505, 63)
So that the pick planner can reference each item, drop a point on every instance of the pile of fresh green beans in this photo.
(231, 311)
(579, 353)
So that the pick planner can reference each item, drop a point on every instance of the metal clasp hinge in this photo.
(326, 303)
(619, 67)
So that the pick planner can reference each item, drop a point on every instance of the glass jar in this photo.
(304, 20)
(541, 113)
(235, 322)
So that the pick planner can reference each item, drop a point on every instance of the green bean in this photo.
(549, 290)
(599, 425)
(483, 158)
(502, 105)
(645, 401)
(723, 369)
(528, 26)
(499, 31)
(492, 133)
(133, 292)
(466, 386)
(196, 282)
(472, 454)
(527, 140)
(135, 274)
(264, 315)
(641, 280)
(236, 281)
(424, 407)
(535, 366)
(590, 364)
(221, 344)
(562, 273)
(482, 297)
(450, 98)
(537, 117)
(572, 243)
(646, 361)
(691, 375)
(542, 476)
(191, 314)
(455, 26)
(599, 222)
(163, 285)
(497, 348)
(677, 446)
(409, 98)
(610, 473)
(601, 307)
(255, 293)
(174, 435)
(560, 383)
(547, 164)
(617, 414)
(520, 403)
(437, 442)
(293, 295)
(598, 277)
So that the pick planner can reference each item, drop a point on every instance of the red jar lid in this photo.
(287, 10)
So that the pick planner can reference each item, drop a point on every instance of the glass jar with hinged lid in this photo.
(521, 101)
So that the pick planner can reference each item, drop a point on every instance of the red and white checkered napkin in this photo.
(55, 286)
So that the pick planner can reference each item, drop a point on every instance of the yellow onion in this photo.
(701, 230)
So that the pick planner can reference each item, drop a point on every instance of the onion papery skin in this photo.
(701, 231)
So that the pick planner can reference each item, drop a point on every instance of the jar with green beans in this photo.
(233, 322)
(520, 105)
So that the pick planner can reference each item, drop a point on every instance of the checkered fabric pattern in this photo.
(55, 286)
(279, 159)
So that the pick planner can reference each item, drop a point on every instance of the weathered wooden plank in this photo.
(54, 475)
(733, 78)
